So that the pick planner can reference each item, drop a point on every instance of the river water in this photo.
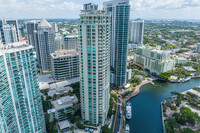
(146, 112)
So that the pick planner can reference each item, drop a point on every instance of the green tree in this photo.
(171, 125)
(187, 130)
(105, 129)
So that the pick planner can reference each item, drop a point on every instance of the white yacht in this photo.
(128, 111)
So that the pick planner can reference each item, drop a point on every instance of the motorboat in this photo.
(127, 128)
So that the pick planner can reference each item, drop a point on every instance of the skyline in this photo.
(157, 9)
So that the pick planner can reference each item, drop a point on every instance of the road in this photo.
(116, 120)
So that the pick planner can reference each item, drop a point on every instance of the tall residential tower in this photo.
(137, 32)
(20, 100)
(9, 31)
(94, 49)
(42, 36)
(120, 12)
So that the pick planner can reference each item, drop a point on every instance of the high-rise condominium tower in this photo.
(31, 27)
(120, 12)
(20, 100)
(9, 31)
(94, 49)
(137, 32)
(42, 37)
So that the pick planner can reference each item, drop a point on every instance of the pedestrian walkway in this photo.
(137, 90)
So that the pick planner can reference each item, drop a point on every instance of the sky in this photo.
(157, 9)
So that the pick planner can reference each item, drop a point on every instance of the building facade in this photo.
(137, 32)
(63, 106)
(54, 26)
(90, 7)
(120, 12)
(198, 48)
(94, 50)
(70, 42)
(0, 39)
(42, 36)
(20, 100)
(58, 42)
(154, 60)
(9, 31)
(31, 27)
(65, 64)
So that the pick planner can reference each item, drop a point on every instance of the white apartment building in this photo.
(137, 32)
(154, 60)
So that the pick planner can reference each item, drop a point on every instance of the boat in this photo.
(128, 111)
(127, 128)
(187, 79)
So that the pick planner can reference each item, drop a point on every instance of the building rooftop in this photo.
(64, 124)
(49, 83)
(44, 23)
(65, 102)
(191, 69)
(33, 21)
(156, 49)
(59, 91)
(51, 111)
(64, 53)
(116, 2)
(14, 47)
(70, 36)
(137, 21)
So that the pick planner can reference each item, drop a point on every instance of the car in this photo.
(120, 115)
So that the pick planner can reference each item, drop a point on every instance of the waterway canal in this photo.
(146, 113)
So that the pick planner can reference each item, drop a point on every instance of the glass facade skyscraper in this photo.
(42, 36)
(9, 31)
(94, 56)
(120, 13)
(20, 99)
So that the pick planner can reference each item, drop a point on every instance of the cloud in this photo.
(70, 6)
(38, 8)
(173, 9)
(50, 0)
(163, 4)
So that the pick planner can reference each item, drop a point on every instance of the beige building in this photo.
(65, 64)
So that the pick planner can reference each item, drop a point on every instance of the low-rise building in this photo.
(62, 107)
(180, 60)
(153, 59)
(59, 91)
(64, 126)
(65, 64)
(190, 69)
